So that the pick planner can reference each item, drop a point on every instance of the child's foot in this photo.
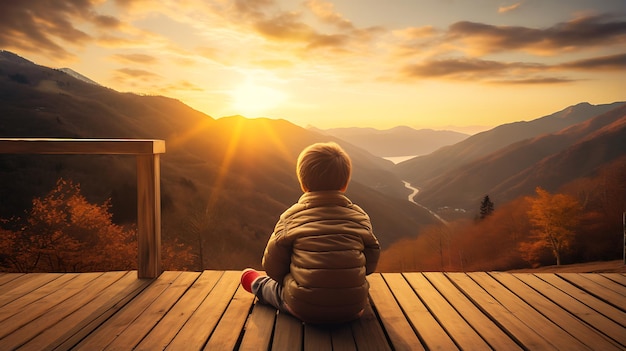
(248, 276)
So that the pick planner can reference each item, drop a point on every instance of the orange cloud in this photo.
(505, 9)
(135, 58)
(325, 11)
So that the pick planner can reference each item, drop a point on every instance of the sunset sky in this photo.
(441, 64)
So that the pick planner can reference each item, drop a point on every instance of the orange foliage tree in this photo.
(554, 218)
(66, 233)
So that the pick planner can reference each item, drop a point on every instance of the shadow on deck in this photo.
(409, 311)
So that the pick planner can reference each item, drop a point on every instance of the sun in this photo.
(252, 99)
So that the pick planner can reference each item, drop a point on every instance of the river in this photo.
(412, 199)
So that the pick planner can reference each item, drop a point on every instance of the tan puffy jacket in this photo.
(321, 250)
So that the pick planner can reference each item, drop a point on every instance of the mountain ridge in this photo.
(396, 141)
(515, 170)
(421, 169)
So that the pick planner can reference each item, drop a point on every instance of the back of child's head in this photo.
(324, 167)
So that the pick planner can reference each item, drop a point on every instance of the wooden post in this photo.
(148, 216)
(147, 152)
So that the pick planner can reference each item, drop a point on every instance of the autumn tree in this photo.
(554, 218)
(65, 233)
(486, 207)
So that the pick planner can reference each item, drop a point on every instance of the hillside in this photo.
(549, 161)
(233, 175)
(421, 170)
(398, 141)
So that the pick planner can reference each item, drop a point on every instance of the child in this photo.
(321, 248)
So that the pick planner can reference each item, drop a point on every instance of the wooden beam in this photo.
(148, 183)
(148, 216)
(81, 146)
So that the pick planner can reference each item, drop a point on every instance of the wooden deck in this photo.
(409, 311)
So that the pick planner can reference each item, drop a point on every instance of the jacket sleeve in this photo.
(277, 256)
(371, 251)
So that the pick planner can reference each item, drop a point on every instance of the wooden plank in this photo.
(599, 306)
(427, 326)
(508, 321)
(452, 322)
(7, 277)
(106, 333)
(607, 283)
(141, 326)
(547, 328)
(82, 294)
(555, 313)
(165, 331)
(24, 284)
(398, 329)
(488, 330)
(196, 331)
(317, 338)
(225, 335)
(368, 333)
(288, 333)
(555, 288)
(21, 311)
(81, 146)
(616, 277)
(71, 330)
(342, 338)
(606, 292)
(148, 216)
(258, 329)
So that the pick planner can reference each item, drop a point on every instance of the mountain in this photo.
(420, 171)
(398, 141)
(548, 160)
(233, 175)
(77, 75)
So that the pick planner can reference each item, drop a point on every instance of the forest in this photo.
(581, 222)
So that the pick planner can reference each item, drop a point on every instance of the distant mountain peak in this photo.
(77, 75)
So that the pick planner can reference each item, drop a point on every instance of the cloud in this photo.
(603, 63)
(505, 9)
(136, 73)
(531, 81)
(413, 33)
(464, 69)
(577, 34)
(182, 85)
(325, 11)
(135, 58)
(106, 22)
(488, 71)
(285, 26)
(35, 26)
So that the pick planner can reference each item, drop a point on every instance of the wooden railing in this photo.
(148, 183)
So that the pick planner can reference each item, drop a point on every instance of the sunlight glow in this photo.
(251, 99)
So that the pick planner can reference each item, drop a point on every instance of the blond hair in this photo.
(323, 167)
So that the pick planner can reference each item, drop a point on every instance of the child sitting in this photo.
(322, 247)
